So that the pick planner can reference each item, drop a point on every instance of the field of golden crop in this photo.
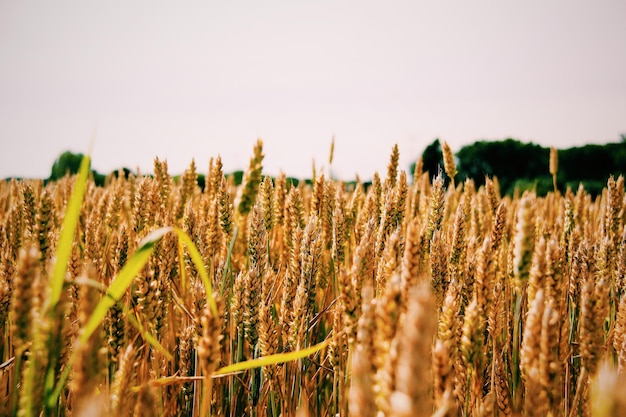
(427, 297)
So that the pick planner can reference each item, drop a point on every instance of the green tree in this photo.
(69, 163)
(432, 158)
(509, 160)
(589, 162)
(66, 163)
(526, 165)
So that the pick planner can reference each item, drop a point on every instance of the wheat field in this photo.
(421, 297)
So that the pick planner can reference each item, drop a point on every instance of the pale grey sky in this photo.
(183, 80)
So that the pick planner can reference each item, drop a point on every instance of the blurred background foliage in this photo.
(523, 166)
(519, 166)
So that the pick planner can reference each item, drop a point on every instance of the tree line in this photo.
(517, 165)
(522, 166)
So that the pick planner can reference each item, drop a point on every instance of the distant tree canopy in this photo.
(432, 158)
(526, 165)
(66, 163)
(69, 163)
(515, 164)
(509, 160)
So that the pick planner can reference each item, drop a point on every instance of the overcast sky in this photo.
(183, 80)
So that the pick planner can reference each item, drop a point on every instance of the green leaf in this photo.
(167, 381)
(122, 281)
(199, 263)
(115, 291)
(271, 359)
(59, 271)
(229, 264)
(148, 337)
(68, 230)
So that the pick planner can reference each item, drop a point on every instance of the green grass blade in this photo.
(181, 268)
(59, 271)
(68, 230)
(199, 263)
(167, 381)
(148, 337)
(271, 359)
(115, 291)
(122, 281)
(229, 264)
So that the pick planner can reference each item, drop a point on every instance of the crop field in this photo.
(415, 295)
